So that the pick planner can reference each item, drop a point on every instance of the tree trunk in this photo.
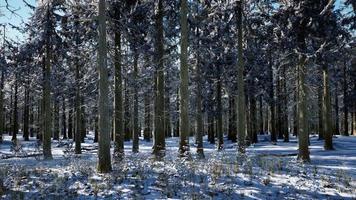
(284, 106)
(64, 119)
(147, 130)
(127, 115)
(253, 119)
(328, 135)
(56, 120)
(261, 115)
(104, 164)
(15, 113)
(159, 137)
(70, 123)
(320, 111)
(26, 114)
(118, 120)
(337, 128)
(2, 118)
(219, 125)
(78, 120)
(232, 119)
(135, 140)
(241, 110)
(346, 110)
(184, 78)
(302, 112)
(199, 111)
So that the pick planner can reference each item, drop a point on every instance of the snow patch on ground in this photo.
(267, 171)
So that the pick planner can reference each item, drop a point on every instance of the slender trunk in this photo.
(147, 130)
(15, 113)
(279, 121)
(78, 131)
(328, 135)
(199, 111)
(70, 123)
(184, 78)
(337, 128)
(346, 110)
(320, 113)
(232, 119)
(302, 112)
(261, 115)
(56, 120)
(167, 117)
(127, 115)
(219, 112)
(136, 130)
(64, 119)
(26, 114)
(96, 131)
(176, 133)
(241, 110)
(253, 119)
(2, 118)
(159, 137)
(284, 106)
(118, 118)
(104, 164)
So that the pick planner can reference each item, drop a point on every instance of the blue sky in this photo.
(25, 13)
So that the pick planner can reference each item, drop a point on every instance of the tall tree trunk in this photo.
(284, 106)
(70, 123)
(147, 130)
(167, 103)
(104, 164)
(78, 120)
(253, 118)
(241, 109)
(159, 137)
(56, 120)
(96, 131)
(184, 78)
(272, 104)
(2, 118)
(302, 111)
(176, 133)
(219, 112)
(136, 130)
(328, 135)
(337, 128)
(320, 113)
(261, 115)
(346, 110)
(26, 114)
(199, 111)
(83, 121)
(118, 118)
(64, 119)
(127, 114)
(232, 119)
(15, 113)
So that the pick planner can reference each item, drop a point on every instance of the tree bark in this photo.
(328, 135)
(118, 120)
(64, 119)
(136, 130)
(159, 137)
(199, 111)
(104, 164)
(346, 110)
(184, 78)
(302, 112)
(241, 109)
(15, 113)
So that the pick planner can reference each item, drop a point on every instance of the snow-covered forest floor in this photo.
(266, 172)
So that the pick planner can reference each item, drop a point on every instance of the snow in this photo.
(267, 171)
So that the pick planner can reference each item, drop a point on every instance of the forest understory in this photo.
(267, 171)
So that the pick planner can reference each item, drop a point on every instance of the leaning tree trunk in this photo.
(184, 78)
(104, 164)
(302, 112)
(118, 114)
(328, 135)
(241, 109)
(159, 137)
